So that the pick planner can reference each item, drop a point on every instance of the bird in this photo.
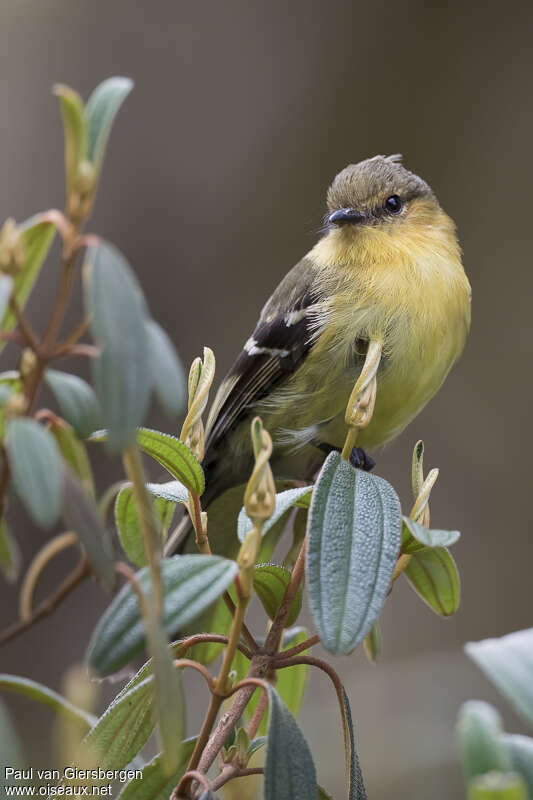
(388, 266)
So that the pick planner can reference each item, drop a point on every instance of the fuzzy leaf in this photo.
(479, 729)
(37, 237)
(44, 695)
(168, 375)
(36, 468)
(100, 112)
(432, 573)
(81, 515)
(75, 454)
(356, 788)
(520, 751)
(289, 772)
(270, 584)
(75, 131)
(415, 535)
(508, 663)
(191, 584)
(6, 287)
(154, 783)
(116, 306)
(129, 526)
(284, 501)
(354, 539)
(171, 453)
(77, 401)
(172, 491)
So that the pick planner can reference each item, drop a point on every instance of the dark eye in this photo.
(393, 204)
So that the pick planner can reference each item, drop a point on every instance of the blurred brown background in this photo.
(214, 186)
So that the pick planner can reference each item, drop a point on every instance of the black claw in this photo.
(360, 459)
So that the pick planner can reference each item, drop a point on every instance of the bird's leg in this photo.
(358, 457)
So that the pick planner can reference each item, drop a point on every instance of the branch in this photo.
(43, 557)
(276, 631)
(233, 771)
(45, 608)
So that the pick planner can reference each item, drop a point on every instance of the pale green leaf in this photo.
(508, 663)
(77, 401)
(36, 468)
(284, 501)
(81, 515)
(154, 784)
(116, 306)
(172, 491)
(479, 729)
(354, 540)
(168, 375)
(270, 584)
(6, 287)
(129, 526)
(191, 584)
(45, 696)
(75, 131)
(100, 112)
(37, 237)
(75, 454)
(432, 573)
(416, 535)
(520, 750)
(289, 772)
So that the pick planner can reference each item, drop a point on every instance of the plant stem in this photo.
(43, 557)
(47, 606)
(150, 534)
(299, 648)
(273, 639)
(233, 771)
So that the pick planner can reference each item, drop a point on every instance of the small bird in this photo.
(388, 267)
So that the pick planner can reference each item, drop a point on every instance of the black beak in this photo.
(345, 216)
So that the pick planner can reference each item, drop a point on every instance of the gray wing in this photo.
(283, 337)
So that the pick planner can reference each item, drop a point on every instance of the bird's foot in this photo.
(358, 458)
(361, 460)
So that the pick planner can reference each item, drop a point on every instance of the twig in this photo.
(233, 771)
(192, 775)
(182, 663)
(273, 639)
(258, 714)
(201, 638)
(87, 350)
(26, 330)
(45, 608)
(298, 648)
(43, 557)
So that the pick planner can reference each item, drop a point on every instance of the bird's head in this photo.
(376, 192)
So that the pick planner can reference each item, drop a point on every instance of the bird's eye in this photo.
(393, 204)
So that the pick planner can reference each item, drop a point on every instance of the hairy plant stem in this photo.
(150, 534)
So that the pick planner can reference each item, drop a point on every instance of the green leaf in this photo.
(41, 694)
(373, 643)
(479, 729)
(289, 772)
(414, 535)
(256, 744)
(36, 468)
(172, 454)
(169, 703)
(100, 112)
(81, 515)
(154, 784)
(508, 663)
(168, 375)
(270, 584)
(284, 501)
(6, 287)
(75, 454)
(354, 539)
(172, 491)
(216, 619)
(520, 751)
(11, 750)
(122, 729)
(497, 786)
(323, 795)
(432, 573)
(356, 787)
(37, 237)
(75, 130)
(191, 584)
(9, 554)
(9, 383)
(116, 306)
(77, 401)
(128, 523)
